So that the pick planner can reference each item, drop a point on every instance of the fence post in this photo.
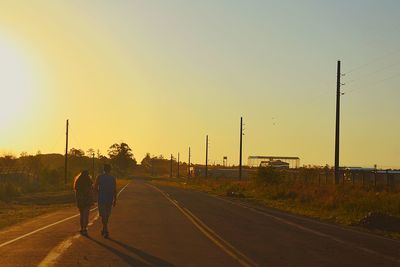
(387, 178)
(352, 178)
(326, 177)
(343, 174)
(363, 178)
(375, 173)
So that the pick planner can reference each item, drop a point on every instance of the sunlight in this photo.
(15, 83)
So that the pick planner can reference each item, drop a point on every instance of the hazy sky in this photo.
(160, 75)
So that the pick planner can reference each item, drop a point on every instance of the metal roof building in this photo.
(255, 161)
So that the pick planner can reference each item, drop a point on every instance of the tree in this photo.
(100, 156)
(90, 152)
(8, 160)
(122, 156)
(76, 152)
(147, 162)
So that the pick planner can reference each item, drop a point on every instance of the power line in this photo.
(59, 140)
(375, 83)
(372, 61)
(373, 73)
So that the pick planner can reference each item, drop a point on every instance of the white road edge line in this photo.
(55, 253)
(306, 229)
(343, 228)
(48, 226)
(51, 258)
(209, 233)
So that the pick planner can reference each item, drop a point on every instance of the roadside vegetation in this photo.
(31, 185)
(31, 205)
(342, 204)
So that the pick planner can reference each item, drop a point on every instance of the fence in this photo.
(17, 175)
(379, 179)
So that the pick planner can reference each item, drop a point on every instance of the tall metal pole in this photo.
(170, 168)
(337, 132)
(206, 156)
(189, 164)
(240, 153)
(93, 165)
(66, 154)
(178, 166)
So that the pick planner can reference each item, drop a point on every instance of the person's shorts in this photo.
(105, 210)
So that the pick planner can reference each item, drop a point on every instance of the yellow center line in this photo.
(209, 233)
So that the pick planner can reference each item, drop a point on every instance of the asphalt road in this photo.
(166, 226)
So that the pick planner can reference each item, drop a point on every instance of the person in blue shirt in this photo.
(106, 189)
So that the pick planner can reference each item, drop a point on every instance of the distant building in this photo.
(256, 161)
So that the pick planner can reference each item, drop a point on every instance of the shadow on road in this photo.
(143, 259)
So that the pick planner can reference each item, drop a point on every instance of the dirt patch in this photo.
(380, 221)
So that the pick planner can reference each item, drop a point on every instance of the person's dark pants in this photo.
(84, 217)
(104, 212)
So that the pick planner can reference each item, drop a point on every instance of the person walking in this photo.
(83, 187)
(106, 188)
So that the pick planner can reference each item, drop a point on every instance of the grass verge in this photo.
(32, 205)
(344, 205)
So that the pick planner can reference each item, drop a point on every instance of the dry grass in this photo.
(344, 205)
(34, 204)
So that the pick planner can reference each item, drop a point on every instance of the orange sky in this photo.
(161, 76)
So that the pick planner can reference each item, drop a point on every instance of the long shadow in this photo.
(148, 260)
(154, 261)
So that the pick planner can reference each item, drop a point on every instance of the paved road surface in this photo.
(165, 226)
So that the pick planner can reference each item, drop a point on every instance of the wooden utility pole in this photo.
(93, 165)
(66, 154)
(178, 166)
(189, 164)
(170, 168)
(206, 174)
(240, 153)
(337, 132)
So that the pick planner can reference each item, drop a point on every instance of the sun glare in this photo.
(15, 83)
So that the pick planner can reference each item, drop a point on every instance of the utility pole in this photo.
(170, 168)
(337, 132)
(240, 153)
(93, 165)
(178, 166)
(152, 167)
(66, 154)
(206, 156)
(189, 164)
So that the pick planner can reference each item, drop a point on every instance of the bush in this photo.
(268, 175)
(8, 191)
(51, 179)
(235, 190)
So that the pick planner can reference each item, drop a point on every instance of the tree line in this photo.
(50, 167)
